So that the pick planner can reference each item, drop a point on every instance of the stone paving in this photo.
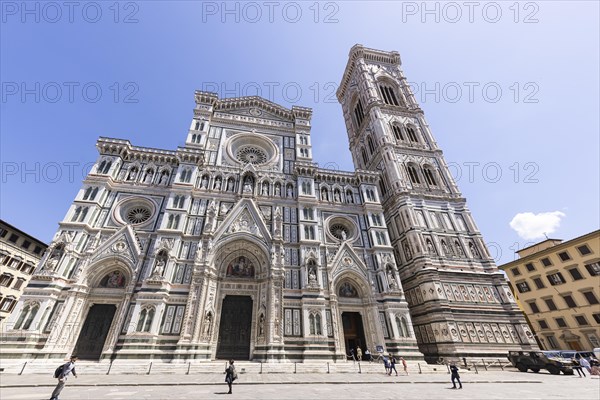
(488, 385)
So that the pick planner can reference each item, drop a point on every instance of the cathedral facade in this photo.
(237, 245)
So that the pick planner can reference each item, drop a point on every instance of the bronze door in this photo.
(94, 332)
(354, 335)
(234, 331)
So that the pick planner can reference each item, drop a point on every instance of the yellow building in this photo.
(558, 287)
(19, 255)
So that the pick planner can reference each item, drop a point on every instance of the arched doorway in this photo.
(235, 328)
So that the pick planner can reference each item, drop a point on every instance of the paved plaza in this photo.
(486, 385)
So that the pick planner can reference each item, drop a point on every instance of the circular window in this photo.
(251, 148)
(138, 214)
(341, 229)
(251, 154)
(134, 211)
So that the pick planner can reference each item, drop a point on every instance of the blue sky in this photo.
(510, 91)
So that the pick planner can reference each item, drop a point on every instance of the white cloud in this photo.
(533, 226)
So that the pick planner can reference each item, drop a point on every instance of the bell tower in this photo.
(460, 303)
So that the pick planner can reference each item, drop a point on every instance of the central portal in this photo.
(235, 328)
(354, 334)
(94, 332)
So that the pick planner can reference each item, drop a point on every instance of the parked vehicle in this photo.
(538, 360)
(570, 354)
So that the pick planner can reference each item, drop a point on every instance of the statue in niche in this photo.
(230, 185)
(392, 280)
(54, 258)
(459, 250)
(430, 247)
(217, 185)
(247, 185)
(132, 174)
(149, 176)
(265, 189)
(159, 267)
(277, 189)
(204, 183)
(344, 236)
(312, 277)
(349, 198)
(164, 178)
(290, 191)
(337, 196)
(207, 324)
(199, 251)
(261, 325)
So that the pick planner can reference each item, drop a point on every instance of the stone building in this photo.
(557, 284)
(19, 255)
(237, 245)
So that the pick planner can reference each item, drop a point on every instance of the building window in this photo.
(530, 267)
(429, 175)
(543, 324)
(37, 250)
(359, 114)
(550, 304)
(593, 268)
(515, 271)
(534, 308)
(561, 322)
(596, 317)
(581, 320)
(556, 279)
(389, 97)
(552, 342)
(538, 283)
(6, 280)
(26, 244)
(18, 283)
(145, 320)
(8, 303)
(523, 287)
(564, 256)
(3, 232)
(569, 300)
(397, 132)
(584, 250)
(13, 238)
(575, 274)
(412, 173)
(412, 135)
(314, 323)
(546, 262)
(590, 297)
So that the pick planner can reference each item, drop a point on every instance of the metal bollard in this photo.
(294, 367)
(149, 369)
(23, 369)
(109, 367)
(260, 368)
(475, 365)
(419, 364)
(327, 367)
(359, 370)
(188, 370)
(484, 365)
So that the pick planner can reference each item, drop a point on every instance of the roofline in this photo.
(22, 232)
(549, 249)
(538, 243)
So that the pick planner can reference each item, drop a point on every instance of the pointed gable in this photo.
(346, 260)
(123, 244)
(244, 217)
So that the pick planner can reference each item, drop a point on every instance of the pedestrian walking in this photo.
(359, 353)
(62, 373)
(392, 365)
(386, 364)
(577, 367)
(455, 376)
(585, 364)
(404, 365)
(368, 356)
(230, 375)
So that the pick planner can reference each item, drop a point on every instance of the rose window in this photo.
(138, 214)
(339, 231)
(251, 154)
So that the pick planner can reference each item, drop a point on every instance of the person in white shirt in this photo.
(585, 364)
(68, 368)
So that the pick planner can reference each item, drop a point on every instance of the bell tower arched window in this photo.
(371, 144)
(412, 173)
(364, 156)
(388, 94)
(359, 114)
(429, 175)
(397, 132)
(412, 134)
